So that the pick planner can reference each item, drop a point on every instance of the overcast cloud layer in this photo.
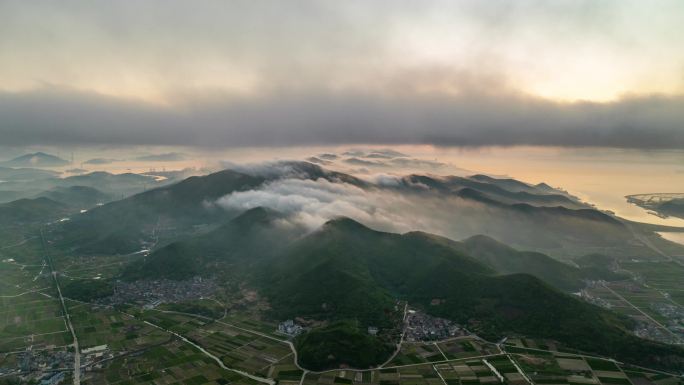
(59, 117)
(272, 73)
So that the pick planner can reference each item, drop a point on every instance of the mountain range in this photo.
(349, 276)
(568, 227)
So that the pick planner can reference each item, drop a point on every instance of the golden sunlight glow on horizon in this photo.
(563, 91)
(560, 51)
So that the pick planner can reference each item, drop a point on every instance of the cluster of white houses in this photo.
(290, 328)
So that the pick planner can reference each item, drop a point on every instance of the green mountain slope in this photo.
(121, 227)
(341, 342)
(555, 223)
(232, 248)
(506, 260)
(26, 211)
(23, 174)
(116, 184)
(545, 224)
(508, 191)
(347, 271)
(81, 197)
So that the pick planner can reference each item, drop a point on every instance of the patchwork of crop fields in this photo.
(171, 363)
(238, 346)
(30, 315)
(488, 370)
(558, 368)
(514, 368)
(664, 277)
(650, 300)
(142, 342)
(96, 325)
(31, 321)
(143, 349)
(460, 347)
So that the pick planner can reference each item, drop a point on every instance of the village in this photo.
(151, 293)
(51, 366)
(423, 327)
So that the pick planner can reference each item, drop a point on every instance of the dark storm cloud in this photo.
(58, 116)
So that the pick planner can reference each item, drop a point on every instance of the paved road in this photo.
(286, 342)
(522, 373)
(305, 372)
(213, 357)
(401, 339)
(67, 318)
(440, 350)
(439, 374)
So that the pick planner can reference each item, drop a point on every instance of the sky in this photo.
(273, 73)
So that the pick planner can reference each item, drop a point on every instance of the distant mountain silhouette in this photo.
(37, 159)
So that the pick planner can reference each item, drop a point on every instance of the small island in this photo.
(662, 205)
